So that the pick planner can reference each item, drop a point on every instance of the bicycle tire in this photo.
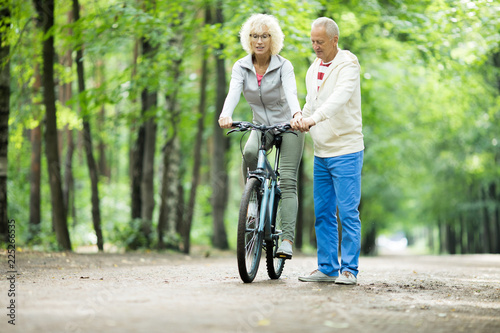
(249, 240)
(275, 265)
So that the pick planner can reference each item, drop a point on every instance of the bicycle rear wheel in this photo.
(275, 265)
(249, 240)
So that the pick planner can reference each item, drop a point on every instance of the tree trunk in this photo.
(87, 140)
(35, 166)
(464, 234)
(486, 223)
(46, 17)
(198, 143)
(171, 204)
(459, 236)
(162, 219)
(441, 237)
(137, 165)
(471, 239)
(180, 211)
(492, 189)
(147, 185)
(104, 168)
(471, 234)
(35, 177)
(430, 238)
(451, 237)
(102, 161)
(136, 155)
(495, 217)
(65, 94)
(173, 195)
(94, 183)
(491, 210)
(170, 197)
(149, 102)
(69, 181)
(221, 146)
(368, 245)
(4, 118)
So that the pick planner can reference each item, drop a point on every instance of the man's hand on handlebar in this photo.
(226, 122)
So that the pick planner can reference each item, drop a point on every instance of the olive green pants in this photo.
(291, 155)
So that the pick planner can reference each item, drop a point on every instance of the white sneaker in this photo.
(346, 278)
(285, 250)
(317, 276)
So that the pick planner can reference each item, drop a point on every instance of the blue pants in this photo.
(337, 184)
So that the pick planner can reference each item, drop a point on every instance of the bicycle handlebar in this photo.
(243, 126)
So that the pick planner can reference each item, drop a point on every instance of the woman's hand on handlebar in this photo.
(226, 122)
(296, 121)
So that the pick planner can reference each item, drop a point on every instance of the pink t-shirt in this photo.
(259, 78)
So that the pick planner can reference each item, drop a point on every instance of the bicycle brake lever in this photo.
(240, 128)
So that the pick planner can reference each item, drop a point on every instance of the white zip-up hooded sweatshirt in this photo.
(335, 107)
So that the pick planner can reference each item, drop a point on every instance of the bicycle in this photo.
(259, 222)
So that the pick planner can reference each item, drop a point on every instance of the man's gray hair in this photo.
(332, 29)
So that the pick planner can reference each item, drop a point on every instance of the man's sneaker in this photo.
(317, 276)
(346, 278)
(285, 250)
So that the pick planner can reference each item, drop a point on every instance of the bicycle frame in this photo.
(269, 179)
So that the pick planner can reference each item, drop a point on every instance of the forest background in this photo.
(109, 135)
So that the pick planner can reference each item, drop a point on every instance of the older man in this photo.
(332, 115)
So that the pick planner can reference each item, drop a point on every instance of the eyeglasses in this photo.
(256, 37)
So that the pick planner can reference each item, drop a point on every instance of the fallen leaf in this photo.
(333, 324)
(264, 322)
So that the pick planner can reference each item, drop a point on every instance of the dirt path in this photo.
(152, 292)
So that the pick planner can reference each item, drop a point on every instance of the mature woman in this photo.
(268, 83)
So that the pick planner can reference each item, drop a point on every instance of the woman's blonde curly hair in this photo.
(255, 25)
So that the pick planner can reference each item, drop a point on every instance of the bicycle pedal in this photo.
(283, 256)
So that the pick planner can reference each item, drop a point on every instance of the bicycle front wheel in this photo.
(274, 264)
(249, 240)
